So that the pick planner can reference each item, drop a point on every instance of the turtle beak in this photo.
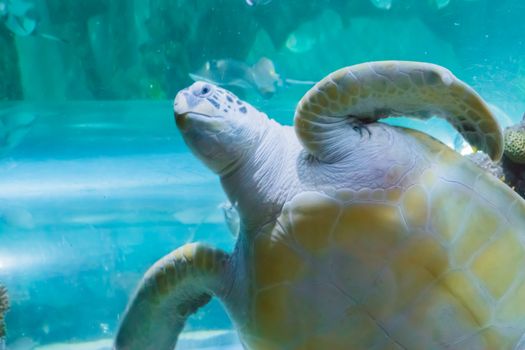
(181, 105)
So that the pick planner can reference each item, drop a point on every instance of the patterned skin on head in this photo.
(216, 125)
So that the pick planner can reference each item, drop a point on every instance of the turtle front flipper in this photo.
(172, 289)
(371, 91)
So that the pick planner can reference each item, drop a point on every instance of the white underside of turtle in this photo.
(353, 234)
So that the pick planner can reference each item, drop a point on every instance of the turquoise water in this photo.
(90, 198)
(96, 183)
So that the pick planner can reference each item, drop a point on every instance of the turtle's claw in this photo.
(358, 125)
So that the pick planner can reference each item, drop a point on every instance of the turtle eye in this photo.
(204, 91)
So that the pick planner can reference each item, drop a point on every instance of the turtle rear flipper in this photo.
(173, 289)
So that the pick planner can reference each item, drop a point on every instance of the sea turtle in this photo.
(354, 234)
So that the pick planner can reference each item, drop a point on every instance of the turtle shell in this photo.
(439, 264)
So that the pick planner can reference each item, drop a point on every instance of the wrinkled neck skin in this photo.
(278, 168)
(260, 183)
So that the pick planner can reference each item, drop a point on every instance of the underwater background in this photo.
(96, 184)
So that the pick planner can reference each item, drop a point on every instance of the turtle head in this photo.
(218, 127)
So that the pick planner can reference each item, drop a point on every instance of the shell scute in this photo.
(312, 221)
(355, 331)
(488, 338)
(449, 318)
(415, 206)
(414, 268)
(515, 215)
(276, 309)
(371, 228)
(493, 191)
(275, 261)
(270, 308)
(448, 209)
(480, 224)
(499, 263)
(513, 305)
(462, 286)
